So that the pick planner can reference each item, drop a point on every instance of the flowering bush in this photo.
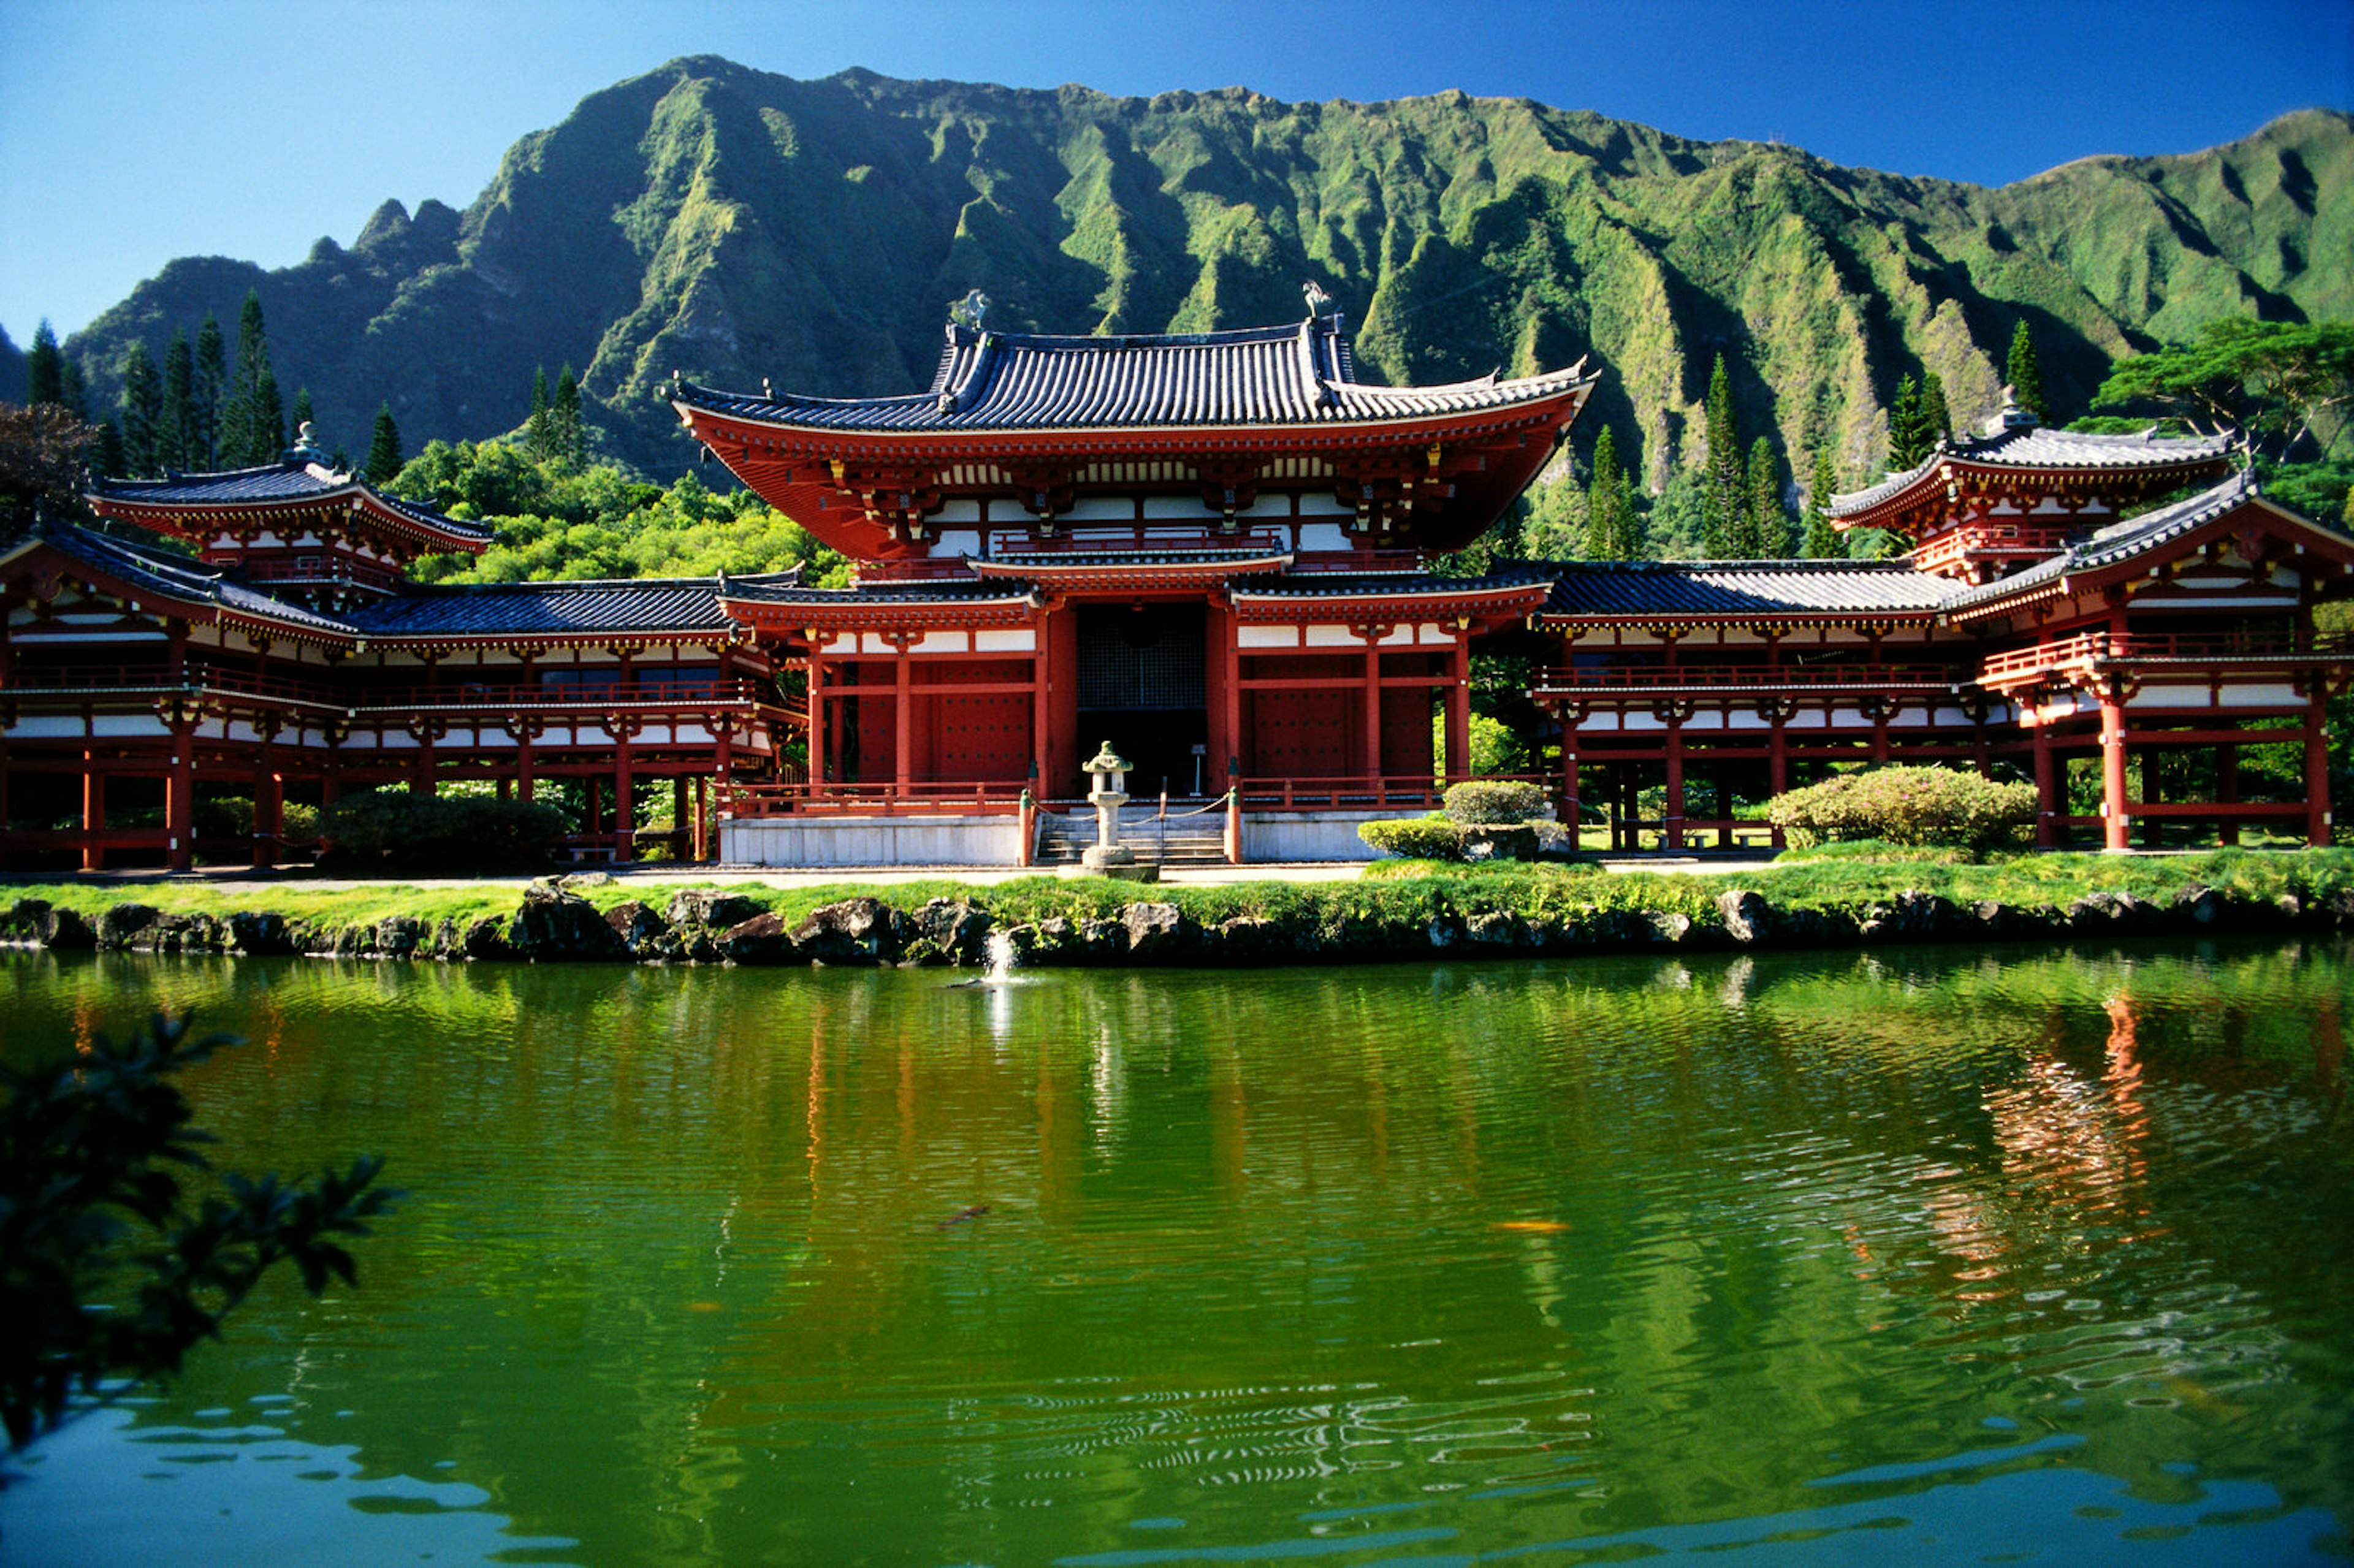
(1414, 838)
(1482, 801)
(1906, 806)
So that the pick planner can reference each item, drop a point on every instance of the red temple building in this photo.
(1218, 552)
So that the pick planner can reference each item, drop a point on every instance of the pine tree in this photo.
(253, 421)
(1613, 531)
(539, 440)
(2025, 376)
(73, 392)
(206, 403)
(384, 449)
(141, 412)
(1936, 420)
(175, 434)
(268, 418)
(1724, 482)
(1768, 531)
(106, 459)
(1905, 448)
(44, 368)
(1823, 541)
(571, 435)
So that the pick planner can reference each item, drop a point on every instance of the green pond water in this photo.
(1920, 1257)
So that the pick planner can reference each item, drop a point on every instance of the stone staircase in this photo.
(1179, 841)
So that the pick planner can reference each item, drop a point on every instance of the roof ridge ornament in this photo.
(969, 311)
(1320, 303)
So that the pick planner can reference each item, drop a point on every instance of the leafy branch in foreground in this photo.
(109, 1267)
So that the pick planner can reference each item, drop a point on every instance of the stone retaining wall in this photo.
(709, 926)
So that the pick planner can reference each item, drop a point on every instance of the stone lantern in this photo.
(1106, 793)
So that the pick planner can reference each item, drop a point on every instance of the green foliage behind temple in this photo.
(734, 225)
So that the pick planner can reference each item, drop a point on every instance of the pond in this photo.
(1927, 1256)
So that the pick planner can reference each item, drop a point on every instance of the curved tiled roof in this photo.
(947, 590)
(621, 606)
(2033, 447)
(1017, 381)
(1386, 584)
(1744, 588)
(271, 483)
(174, 577)
(2120, 541)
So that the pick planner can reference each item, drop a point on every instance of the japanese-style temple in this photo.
(1214, 551)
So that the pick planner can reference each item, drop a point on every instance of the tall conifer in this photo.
(253, 421)
(539, 439)
(1612, 527)
(1823, 541)
(1723, 481)
(105, 458)
(1936, 420)
(208, 399)
(44, 368)
(73, 392)
(571, 435)
(1905, 449)
(384, 449)
(2025, 375)
(175, 433)
(141, 411)
(1768, 530)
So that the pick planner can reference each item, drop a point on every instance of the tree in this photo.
(209, 393)
(2277, 387)
(384, 449)
(1906, 445)
(106, 450)
(253, 421)
(176, 443)
(1724, 492)
(2025, 375)
(109, 1267)
(40, 463)
(44, 368)
(1937, 420)
(1767, 530)
(1823, 541)
(571, 435)
(73, 392)
(538, 439)
(303, 414)
(141, 410)
(1614, 530)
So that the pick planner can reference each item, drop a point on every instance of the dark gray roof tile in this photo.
(1745, 587)
(2033, 447)
(623, 606)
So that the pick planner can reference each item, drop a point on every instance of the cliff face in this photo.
(736, 224)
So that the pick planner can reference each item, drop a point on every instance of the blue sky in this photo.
(136, 130)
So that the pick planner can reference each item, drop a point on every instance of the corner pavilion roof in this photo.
(293, 485)
(1744, 589)
(993, 381)
(2030, 449)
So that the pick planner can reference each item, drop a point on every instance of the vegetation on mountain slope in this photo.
(737, 226)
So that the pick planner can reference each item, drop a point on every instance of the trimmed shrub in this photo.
(1906, 807)
(1479, 802)
(1414, 838)
(392, 830)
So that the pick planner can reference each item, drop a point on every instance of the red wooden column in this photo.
(1459, 714)
(625, 814)
(180, 796)
(819, 770)
(93, 813)
(1671, 823)
(2047, 786)
(1569, 810)
(2227, 791)
(2317, 767)
(1778, 760)
(2116, 826)
(1371, 757)
(1042, 712)
(903, 715)
(1230, 702)
(268, 810)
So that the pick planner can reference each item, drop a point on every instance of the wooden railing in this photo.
(1747, 677)
(1354, 793)
(2091, 648)
(926, 798)
(88, 682)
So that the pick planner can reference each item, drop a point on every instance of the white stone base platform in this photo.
(1269, 838)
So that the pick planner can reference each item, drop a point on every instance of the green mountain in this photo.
(734, 225)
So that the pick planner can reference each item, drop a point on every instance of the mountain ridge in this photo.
(737, 225)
